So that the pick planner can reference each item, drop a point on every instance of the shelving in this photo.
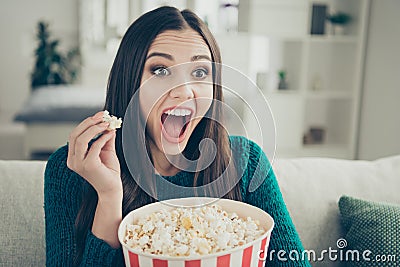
(329, 95)
(333, 63)
(324, 74)
(331, 115)
(326, 150)
(333, 79)
(332, 39)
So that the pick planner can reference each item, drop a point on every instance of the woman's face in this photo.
(176, 88)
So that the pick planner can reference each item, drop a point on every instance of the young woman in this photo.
(91, 184)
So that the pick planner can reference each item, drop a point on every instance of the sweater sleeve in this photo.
(62, 192)
(285, 244)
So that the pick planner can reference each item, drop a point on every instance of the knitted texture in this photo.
(63, 189)
(371, 226)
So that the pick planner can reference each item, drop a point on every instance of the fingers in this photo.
(110, 145)
(83, 126)
(82, 141)
(105, 142)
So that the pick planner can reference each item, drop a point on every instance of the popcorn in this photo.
(186, 222)
(191, 232)
(115, 122)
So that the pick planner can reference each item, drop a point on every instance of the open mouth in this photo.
(174, 123)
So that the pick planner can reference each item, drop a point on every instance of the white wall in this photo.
(18, 20)
(380, 114)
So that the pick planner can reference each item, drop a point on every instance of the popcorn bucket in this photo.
(251, 254)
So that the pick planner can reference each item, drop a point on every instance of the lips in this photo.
(174, 123)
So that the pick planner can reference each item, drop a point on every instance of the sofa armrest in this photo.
(22, 221)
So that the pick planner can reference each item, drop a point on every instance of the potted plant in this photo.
(338, 20)
(52, 66)
(282, 80)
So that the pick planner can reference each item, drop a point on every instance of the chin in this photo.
(172, 148)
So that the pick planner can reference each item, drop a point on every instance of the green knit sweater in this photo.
(63, 187)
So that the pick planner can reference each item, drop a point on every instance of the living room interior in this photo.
(332, 89)
(340, 100)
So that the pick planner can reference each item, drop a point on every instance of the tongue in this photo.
(173, 125)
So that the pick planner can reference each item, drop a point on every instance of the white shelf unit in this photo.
(324, 73)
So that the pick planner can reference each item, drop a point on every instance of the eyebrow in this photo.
(200, 57)
(171, 58)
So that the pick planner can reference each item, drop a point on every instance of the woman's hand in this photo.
(98, 164)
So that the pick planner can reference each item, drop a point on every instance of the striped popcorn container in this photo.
(252, 254)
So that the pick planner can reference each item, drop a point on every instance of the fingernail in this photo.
(104, 124)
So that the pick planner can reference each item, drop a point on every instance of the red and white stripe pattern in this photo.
(249, 257)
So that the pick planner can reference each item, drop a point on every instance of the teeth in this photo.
(178, 112)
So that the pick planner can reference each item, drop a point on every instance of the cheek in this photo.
(144, 99)
(204, 98)
(148, 105)
(150, 95)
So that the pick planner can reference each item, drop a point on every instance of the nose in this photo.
(183, 91)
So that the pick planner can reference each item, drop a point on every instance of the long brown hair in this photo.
(124, 81)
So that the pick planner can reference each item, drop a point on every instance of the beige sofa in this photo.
(311, 188)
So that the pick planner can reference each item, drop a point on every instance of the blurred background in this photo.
(330, 70)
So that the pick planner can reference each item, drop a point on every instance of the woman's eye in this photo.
(200, 73)
(161, 71)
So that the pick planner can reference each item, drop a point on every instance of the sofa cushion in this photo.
(22, 215)
(311, 188)
(372, 226)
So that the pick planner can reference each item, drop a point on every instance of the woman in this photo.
(90, 184)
